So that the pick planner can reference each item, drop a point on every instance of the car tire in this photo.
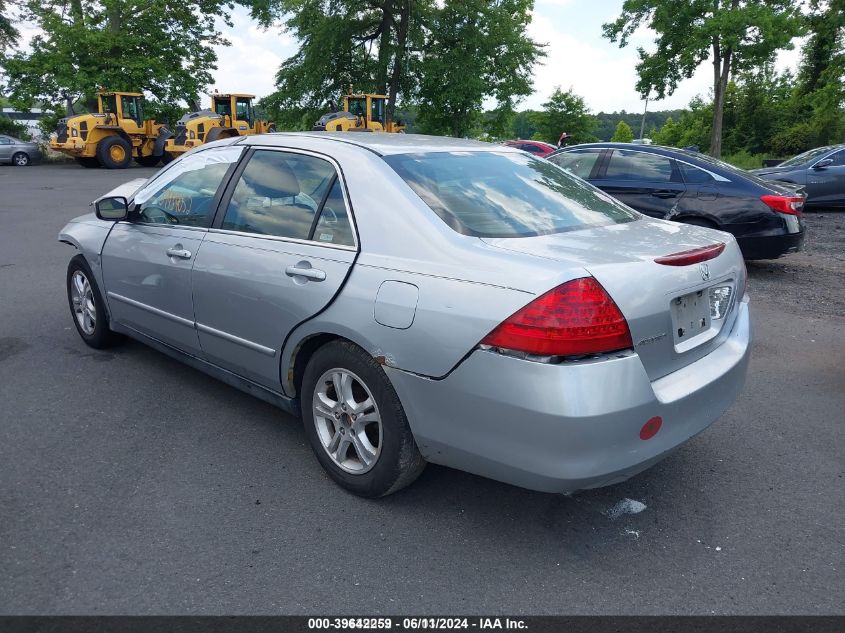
(21, 159)
(385, 434)
(148, 161)
(114, 152)
(87, 307)
(88, 163)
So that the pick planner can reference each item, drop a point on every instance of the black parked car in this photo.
(821, 171)
(685, 186)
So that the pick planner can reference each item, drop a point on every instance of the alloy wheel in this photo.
(82, 297)
(348, 421)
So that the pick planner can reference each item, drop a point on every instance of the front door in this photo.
(5, 148)
(827, 185)
(649, 183)
(279, 251)
(147, 260)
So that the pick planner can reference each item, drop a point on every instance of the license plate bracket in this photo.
(690, 315)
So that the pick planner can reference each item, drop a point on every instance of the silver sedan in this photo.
(17, 152)
(418, 299)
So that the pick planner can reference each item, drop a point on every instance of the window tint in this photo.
(131, 107)
(244, 109)
(838, 158)
(630, 165)
(694, 175)
(334, 226)
(579, 162)
(5, 140)
(278, 194)
(183, 194)
(534, 149)
(488, 194)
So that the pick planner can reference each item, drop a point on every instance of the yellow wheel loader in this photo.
(361, 113)
(114, 135)
(230, 115)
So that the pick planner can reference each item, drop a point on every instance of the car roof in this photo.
(385, 144)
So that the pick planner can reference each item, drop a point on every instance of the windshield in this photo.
(806, 157)
(487, 194)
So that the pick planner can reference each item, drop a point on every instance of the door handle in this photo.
(181, 253)
(664, 193)
(309, 273)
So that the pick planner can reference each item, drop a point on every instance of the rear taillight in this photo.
(694, 256)
(574, 319)
(790, 205)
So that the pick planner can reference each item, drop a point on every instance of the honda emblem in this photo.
(704, 269)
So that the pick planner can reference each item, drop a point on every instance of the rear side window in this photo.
(694, 175)
(838, 158)
(579, 162)
(283, 194)
(639, 166)
(487, 194)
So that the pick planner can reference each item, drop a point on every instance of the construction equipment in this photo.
(361, 113)
(230, 115)
(114, 135)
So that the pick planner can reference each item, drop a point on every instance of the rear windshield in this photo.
(487, 194)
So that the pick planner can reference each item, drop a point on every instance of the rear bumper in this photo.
(560, 428)
(770, 246)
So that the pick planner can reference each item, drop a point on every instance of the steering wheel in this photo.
(157, 215)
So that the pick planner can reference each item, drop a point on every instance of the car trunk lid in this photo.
(667, 307)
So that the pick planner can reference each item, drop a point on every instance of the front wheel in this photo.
(148, 161)
(114, 152)
(356, 424)
(21, 159)
(86, 306)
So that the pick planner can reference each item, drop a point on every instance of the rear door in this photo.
(584, 163)
(650, 183)
(280, 249)
(147, 260)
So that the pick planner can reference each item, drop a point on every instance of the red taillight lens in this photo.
(574, 319)
(694, 256)
(790, 205)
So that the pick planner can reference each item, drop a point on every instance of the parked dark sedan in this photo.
(685, 186)
(17, 152)
(821, 171)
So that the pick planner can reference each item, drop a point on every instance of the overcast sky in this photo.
(578, 57)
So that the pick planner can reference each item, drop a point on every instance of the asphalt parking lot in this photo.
(131, 484)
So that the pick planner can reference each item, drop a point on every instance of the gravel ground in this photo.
(812, 280)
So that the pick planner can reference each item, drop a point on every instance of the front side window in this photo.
(244, 111)
(109, 104)
(639, 166)
(488, 194)
(184, 194)
(358, 107)
(281, 194)
(378, 110)
(223, 108)
(579, 162)
(4, 140)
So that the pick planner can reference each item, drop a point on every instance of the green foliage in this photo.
(164, 47)
(476, 50)
(523, 124)
(607, 122)
(564, 112)
(623, 133)
(13, 128)
(744, 160)
(9, 35)
(736, 34)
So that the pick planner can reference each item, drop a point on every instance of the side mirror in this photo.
(113, 208)
(822, 164)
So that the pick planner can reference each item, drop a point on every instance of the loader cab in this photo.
(371, 108)
(122, 106)
(239, 105)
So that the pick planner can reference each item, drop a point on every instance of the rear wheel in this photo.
(86, 306)
(88, 163)
(114, 152)
(21, 159)
(355, 422)
(148, 161)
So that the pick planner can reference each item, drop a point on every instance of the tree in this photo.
(565, 112)
(8, 33)
(475, 50)
(623, 133)
(733, 34)
(163, 47)
(369, 45)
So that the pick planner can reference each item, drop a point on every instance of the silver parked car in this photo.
(423, 299)
(18, 152)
